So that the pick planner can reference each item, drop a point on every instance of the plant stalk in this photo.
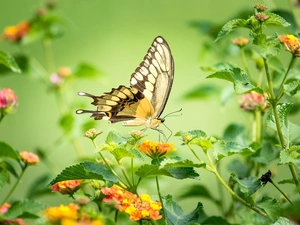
(161, 200)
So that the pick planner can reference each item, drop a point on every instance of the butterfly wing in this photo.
(146, 98)
(154, 77)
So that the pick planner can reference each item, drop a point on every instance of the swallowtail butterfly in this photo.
(144, 101)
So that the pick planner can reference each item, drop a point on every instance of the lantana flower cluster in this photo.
(66, 187)
(8, 101)
(58, 78)
(291, 43)
(69, 215)
(16, 32)
(254, 101)
(138, 207)
(29, 158)
(155, 149)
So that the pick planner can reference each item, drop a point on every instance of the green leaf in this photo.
(21, 60)
(120, 153)
(86, 70)
(115, 138)
(147, 170)
(266, 154)
(23, 209)
(39, 187)
(238, 77)
(276, 20)
(290, 158)
(67, 122)
(291, 86)
(284, 221)
(223, 149)
(235, 132)
(8, 60)
(8, 152)
(248, 185)
(202, 92)
(9, 168)
(176, 216)
(290, 131)
(288, 181)
(231, 26)
(271, 207)
(4, 177)
(86, 170)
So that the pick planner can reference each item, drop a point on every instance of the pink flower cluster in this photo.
(254, 101)
(8, 98)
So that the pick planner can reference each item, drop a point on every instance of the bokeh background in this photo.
(114, 37)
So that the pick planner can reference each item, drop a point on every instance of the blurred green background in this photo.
(114, 36)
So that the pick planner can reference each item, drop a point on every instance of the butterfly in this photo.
(143, 102)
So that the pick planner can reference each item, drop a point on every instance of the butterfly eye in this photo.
(162, 120)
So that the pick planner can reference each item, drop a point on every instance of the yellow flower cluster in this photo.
(138, 207)
(69, 215)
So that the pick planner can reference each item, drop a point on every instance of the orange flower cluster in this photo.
(254, 101)
(142, 207)
(17, 32)
(291, 43)
(69, 215)
(3, 209)
(65, 187)
(29, 158)
(155, 149)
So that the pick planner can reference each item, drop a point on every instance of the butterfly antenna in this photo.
(171, 113)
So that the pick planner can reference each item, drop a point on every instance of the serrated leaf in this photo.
(231, 26)
(291, 86)
(223, 149)
(290, 158)
(276, 19)
(86, 170)
(290, 131)
(120, 153)
(39, 186)
(238, 77)
(86, 70)
(284, 221)
(271, 48)
(24, 209)
(9, 61)
(8, 152)
(271, 207)
(147, 170)
(176, 216)
(248, 185)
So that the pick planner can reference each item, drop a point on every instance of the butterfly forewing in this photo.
(144, 101)
(154, 76)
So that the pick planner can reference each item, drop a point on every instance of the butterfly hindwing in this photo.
(144, 101)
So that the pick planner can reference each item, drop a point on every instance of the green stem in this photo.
(15, 185)
(273, 102)
(125, 174)
(234, 195)
(161, 200)
(1, 116)
(106, 163)
(245, 61)
(257, 115)
(280, 90)
(200, 160)
(281, 191)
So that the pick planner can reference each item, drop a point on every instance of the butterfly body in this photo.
(142, 103)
